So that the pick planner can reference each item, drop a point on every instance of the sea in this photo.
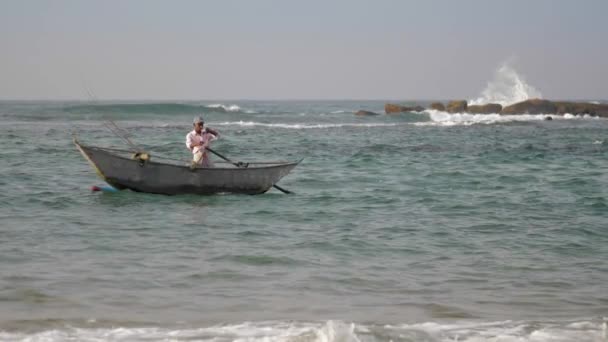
(420, 226)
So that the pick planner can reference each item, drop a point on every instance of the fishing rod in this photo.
(108, 123)
(122, 134)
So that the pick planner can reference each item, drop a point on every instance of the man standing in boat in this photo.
(198, 140)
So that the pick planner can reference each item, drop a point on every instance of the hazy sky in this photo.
(304, 49)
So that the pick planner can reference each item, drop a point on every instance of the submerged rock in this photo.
(457, 106)
(438, 106)
(489, 108)
(390, 108)
(365, 113)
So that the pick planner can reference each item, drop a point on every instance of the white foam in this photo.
(580, 116)
(334, 331)
(510, 331)
(302, 125)
(439, 118)
(507, 88)
(260, 331)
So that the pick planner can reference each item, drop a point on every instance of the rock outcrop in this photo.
(365, 113)
(489, 108)
(438, 106)
(581, 108)
(390, 108)
(457, 106)
(538, 106)
(533, 106)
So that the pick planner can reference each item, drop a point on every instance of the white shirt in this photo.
(194, 138)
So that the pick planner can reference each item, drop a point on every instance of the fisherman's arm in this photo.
(189, 143)
(212, 131)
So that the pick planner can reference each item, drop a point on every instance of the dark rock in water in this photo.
(489, 108)
(457, 106)
(365, 113)
(548, 118)
(390, 108)
(533, 106)
(438, 106)
(416, 109)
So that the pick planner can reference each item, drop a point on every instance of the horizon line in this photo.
(258, 99)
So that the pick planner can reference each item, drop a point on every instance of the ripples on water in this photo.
(413, 232)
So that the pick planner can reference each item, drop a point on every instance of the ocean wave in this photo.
(135, 124)
(154, 108)
(225, 108)
(440, 118)
(302, 125)
(329, 331)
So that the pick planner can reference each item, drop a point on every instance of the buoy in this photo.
(103, 188)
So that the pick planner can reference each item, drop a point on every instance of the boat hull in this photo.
(170, 179)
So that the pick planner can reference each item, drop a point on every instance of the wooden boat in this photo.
(125, 170)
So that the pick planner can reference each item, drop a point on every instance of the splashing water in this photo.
(506, 88)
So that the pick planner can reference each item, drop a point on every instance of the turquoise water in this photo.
(414, 227)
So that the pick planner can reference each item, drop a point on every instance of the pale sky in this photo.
(313, 49)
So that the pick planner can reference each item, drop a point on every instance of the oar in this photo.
(285, 191)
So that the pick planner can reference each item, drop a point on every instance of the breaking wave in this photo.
(427, 118)
(507, 87)
(330, 331)
(226, 108)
